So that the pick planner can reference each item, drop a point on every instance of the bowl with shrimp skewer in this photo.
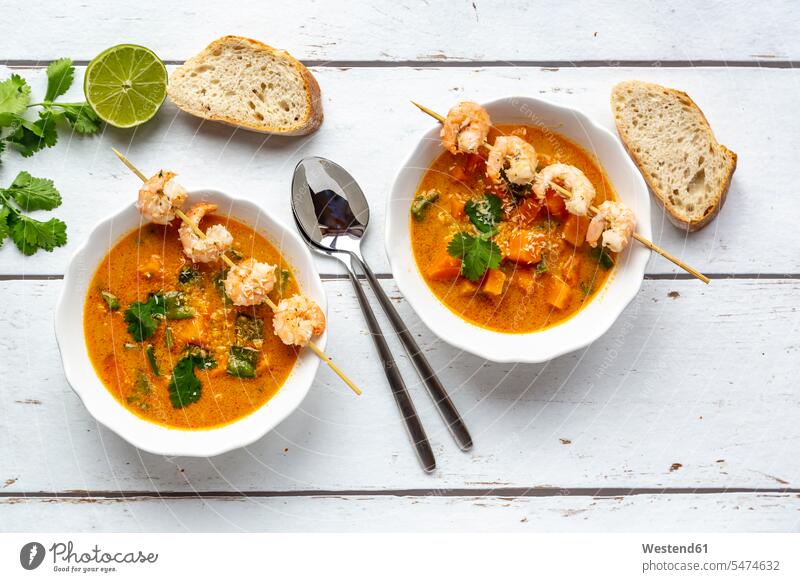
(509, 229)
(186, 332)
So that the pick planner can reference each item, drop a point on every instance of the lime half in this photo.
(125, 85)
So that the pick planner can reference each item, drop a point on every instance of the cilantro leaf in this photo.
(4, 227)
(184, 387)
(486, 213)
(60, 74)
(29, 138)
(242, 362)
(143, 317)
(81, 117)
(31, 235)
(14, 95)
(33, 193)
(477, 255)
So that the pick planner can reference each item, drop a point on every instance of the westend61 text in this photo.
(673, 549)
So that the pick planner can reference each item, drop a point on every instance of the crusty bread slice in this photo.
(670, 140)
(246, 83)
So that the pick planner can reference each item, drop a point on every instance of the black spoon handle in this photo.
(398, 386)
(436, 391)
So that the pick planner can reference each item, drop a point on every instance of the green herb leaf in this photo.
(150, 352)
(110, 299)
(175, 306)
(486, 213)
(541, 268)
(33, 193)
(601, 256)
(143, 317)
(421, 203)
(248, 329)
(242, 362)
(168, 340)
(219, 283)
(5, 229)
(184, 386)
(477, 255)
(30, 138)
(81, 117)
(30, 235)
(60, 74)
(586, 288)
(284, 280)
(14, 95)
(188, 274)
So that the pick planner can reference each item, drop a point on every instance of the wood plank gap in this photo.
(500, 492)
(437, 64)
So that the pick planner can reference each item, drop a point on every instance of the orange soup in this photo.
(540, 269)
(168, 343)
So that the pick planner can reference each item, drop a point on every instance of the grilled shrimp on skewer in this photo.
(209, 249)
(514, 157)
(160, 196)
(297, 319)
(615, 222)
(249, 282)
(570, 178)
(466, 128)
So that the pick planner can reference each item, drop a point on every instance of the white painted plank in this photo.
(370, 126)
(705, 380)
(735, 512)
(406, 30)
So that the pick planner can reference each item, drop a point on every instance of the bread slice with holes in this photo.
(248, 84)
(671, 141)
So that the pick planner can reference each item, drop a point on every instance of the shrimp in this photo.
(249, 282)
(296, 319)
(615, 222)
(570, 178)
(217, 241)
(514, 157)
(160, 196)
(465, 128)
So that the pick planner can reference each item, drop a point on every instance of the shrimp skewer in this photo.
(567, 194)
(314, 347)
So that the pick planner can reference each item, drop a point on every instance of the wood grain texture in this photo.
(372, 134)
(664, 513)
(413, 30)
(690, 388)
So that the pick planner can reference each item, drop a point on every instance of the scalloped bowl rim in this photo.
(574, 333)
(107, 410)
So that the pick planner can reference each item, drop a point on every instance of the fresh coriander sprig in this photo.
(27, 136)
(477, 254)
(26, 194)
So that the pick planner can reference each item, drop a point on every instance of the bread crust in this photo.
(305, 126)
(675, 218)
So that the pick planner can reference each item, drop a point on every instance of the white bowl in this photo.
(574, 333)
(107, 410)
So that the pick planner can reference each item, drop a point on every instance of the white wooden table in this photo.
(683, 417)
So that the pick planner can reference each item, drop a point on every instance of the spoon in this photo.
(332, 212)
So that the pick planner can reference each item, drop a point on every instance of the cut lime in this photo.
(125, 85)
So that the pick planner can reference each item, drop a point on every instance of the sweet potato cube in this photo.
(523, 248)
(445, 268)
(575, 229)
(557, 293)
(493, 282)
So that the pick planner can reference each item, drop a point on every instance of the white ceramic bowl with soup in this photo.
(596, 315)
(108, 410)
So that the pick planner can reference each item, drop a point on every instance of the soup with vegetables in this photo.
(167, 341)
(494, 252)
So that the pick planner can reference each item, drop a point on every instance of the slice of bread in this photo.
(670, 140)
(246, 83)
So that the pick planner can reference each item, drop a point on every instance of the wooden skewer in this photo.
(567, 194)
(196, 229)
